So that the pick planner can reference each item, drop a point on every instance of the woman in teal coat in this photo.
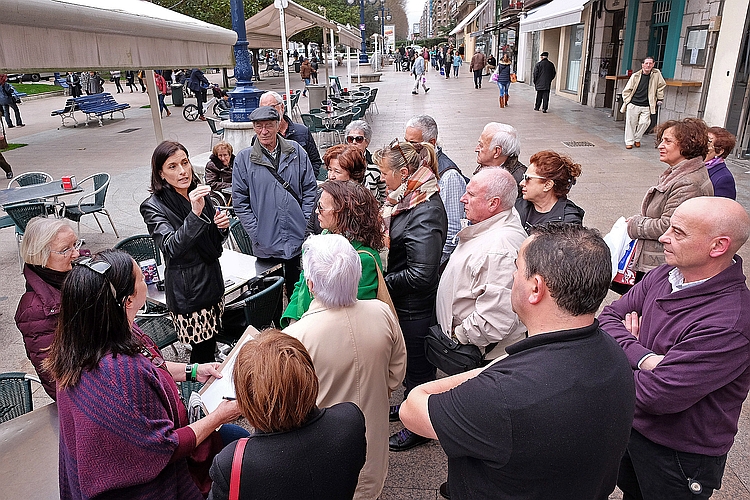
(349, 209)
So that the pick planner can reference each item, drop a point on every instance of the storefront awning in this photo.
(47, 35)
(466, 20)
(555, 14)
(264, 32)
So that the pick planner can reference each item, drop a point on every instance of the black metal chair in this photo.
(30, 178)
(260, 306)
(99, 195)
(240, 237)
(21, 214)
(216, 132)
(159, 326)
(141, 247)
(15, 394)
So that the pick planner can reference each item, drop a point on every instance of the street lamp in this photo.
(363, 49)
(245, 96)
(385, 15)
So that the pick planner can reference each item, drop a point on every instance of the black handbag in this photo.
(448, 355)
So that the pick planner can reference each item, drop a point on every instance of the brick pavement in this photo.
(613, 183)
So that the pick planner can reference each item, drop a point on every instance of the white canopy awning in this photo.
(555, 14)
(44, 35)
(466, 20)
(264, 32)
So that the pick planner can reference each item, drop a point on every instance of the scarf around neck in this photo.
(417, 188)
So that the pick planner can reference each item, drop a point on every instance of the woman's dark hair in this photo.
(350, 159)
(92, 321)
(356, 213)
(691, 135)
(162, 152)
(724, 141)
(557, 168)
(275, 382)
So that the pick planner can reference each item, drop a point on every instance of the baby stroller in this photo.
(405, 65)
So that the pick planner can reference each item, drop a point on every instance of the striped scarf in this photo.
(419, 187)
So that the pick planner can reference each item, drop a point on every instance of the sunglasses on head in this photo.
(359, 139)
(99, 267)
(395, 145)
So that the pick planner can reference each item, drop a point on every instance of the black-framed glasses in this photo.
(76, 246)
(359, 139)
(395, 144)
(99, 267)
(321, 209)
(526, 177)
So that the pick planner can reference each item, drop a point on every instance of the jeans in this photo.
(478, 77)
(231, 432)
(542, 99)
(307, 82)
(200, 98)
(650, 471)
(418, 369)
(455, 71)
(503, 88)
(161, 103)
(6, 112)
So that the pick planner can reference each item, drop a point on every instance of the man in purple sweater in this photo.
(686, 332)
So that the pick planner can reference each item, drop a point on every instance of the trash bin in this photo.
(317, 94)
(297, 65)
(178, 98)
(619, 116)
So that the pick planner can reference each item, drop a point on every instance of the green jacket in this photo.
(368, 285)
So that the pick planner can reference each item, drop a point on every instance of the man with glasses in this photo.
(423, 128)
(273, 188)
(291, 131)
(499, 146)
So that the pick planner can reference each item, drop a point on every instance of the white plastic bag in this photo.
(619, 243)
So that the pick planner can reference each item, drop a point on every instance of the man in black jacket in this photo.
(544, 73)
(292, 131)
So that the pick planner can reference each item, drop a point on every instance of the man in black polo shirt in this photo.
(643, 93)
(552, 419)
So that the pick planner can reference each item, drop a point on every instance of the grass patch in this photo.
(148, 106)
(36, 88)
(12, 146)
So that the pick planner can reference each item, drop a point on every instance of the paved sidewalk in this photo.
(613, 183)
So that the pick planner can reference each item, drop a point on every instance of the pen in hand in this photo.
(228, 398)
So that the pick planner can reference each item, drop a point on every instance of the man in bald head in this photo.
(685, 328)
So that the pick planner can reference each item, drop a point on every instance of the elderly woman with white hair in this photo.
(356, 346)
(359, 134)
(48, 248)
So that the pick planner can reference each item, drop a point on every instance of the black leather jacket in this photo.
(417, 240)
(191, 283)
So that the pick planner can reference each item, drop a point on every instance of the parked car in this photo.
(34, 77)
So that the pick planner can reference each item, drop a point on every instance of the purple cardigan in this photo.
(123, 432)
(723, 181)
(691, 401)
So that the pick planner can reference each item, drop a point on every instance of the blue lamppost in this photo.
(245, 96)
(363, 49)
(385, 15)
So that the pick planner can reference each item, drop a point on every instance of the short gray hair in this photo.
(331, 263)
(360, 125)
(505, 137)
(498, 183)
(426, 124)
(39, 233)
(276, 95)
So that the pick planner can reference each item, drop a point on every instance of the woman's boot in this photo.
(501, 99)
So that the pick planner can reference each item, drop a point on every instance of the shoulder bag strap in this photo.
(383, 294)
(234, 478)
(284, 183)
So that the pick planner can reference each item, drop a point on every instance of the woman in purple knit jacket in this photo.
(124, 432)
(720, 143)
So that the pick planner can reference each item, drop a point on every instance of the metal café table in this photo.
(29, 450)
(238, 269)
(23, 194)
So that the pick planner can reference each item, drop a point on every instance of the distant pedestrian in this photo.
(74, 83)
(161, 87)
(544, 73)
(95, 84)
(448, 63)
(115, 78)
(6, 167)
(503, 79)
(314, 73)
(198, 84)
(643, 93)
(478, 61)
(8, 101)
(457, 62)
(418, 70)
(130, 80)
(141, 75)
(305, 73)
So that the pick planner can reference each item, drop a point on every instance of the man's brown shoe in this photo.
(638, 144)
(628, 146)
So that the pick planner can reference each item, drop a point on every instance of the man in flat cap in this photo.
(544, 73)
(273, 188)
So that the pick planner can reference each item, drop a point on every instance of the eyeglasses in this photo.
(359, 139)
(76, 246)
(395, 144)
(321, 209)
(100, 267)
(266, 125)
(526, 177)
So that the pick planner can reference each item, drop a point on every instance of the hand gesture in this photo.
(208, 370)
(221, 219)
(633, 323)
(197, 198)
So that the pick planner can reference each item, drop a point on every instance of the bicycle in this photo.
(217, 104)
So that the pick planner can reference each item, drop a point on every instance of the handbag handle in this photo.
(383, 294)
(234, 478)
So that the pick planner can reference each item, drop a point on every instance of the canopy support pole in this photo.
(348, 67)
(333, 55)
(282, 22)
(153, 100)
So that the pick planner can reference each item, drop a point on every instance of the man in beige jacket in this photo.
(356, 346)
(640, 97)
(473, 300)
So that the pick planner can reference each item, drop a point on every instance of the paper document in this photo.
(216, 389)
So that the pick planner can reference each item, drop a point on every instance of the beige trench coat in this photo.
(359, 356)
(688, 179)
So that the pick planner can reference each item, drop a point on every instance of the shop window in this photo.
(657, 41)
(694, 50)
(575, 53)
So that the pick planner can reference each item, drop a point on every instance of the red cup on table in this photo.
(67, 182)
